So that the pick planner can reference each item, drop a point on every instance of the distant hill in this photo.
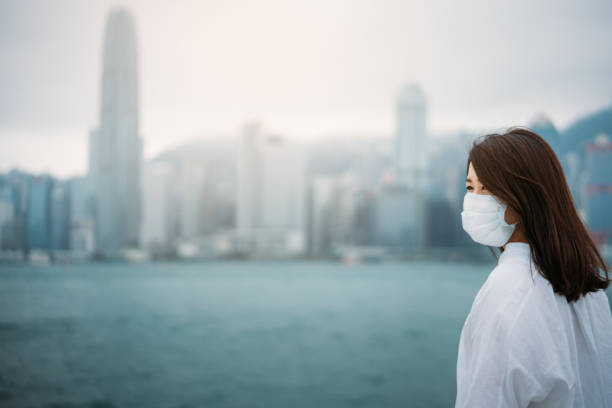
(220, 148)
(585, 129)
(331, 155)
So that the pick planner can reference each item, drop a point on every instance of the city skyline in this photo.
(349, 70)
(268, 202)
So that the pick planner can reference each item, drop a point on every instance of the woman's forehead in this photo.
(472, 176)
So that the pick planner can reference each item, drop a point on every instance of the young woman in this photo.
(539, 333)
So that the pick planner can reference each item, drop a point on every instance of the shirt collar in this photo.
(515, 250)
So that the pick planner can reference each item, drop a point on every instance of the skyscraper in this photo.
(7, 215)
(411, 137)
(81, 220)
(39, 211)
(598, 167)
(411, 162)
(270, 194)
(115, 147)
(59, 233)
(156, 230)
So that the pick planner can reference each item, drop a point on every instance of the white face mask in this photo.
(483, 219)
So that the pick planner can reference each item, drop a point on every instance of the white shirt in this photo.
(522, 345)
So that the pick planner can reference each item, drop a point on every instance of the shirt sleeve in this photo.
(505, 364)
(488, 373)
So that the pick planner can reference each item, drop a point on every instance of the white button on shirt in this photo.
(522, 345)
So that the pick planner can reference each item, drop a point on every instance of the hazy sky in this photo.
(303, 68)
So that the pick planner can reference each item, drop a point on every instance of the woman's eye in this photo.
(469, 188)
(483, 188)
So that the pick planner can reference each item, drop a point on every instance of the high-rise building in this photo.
(191, 183)
(247, 204)
(270, 201)
(320, 194)
(115, 146)
(396, 217)
(157, 186)
(7, 216)
(39, 212)
(16, 238)
(344, 206)
(59, 234)
(81, 220)
(598, 156)
(411, 164)
(411, 137)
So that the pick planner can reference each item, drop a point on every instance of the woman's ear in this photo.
(511, 216)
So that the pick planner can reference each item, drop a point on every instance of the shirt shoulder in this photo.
(527, 321)
(503, 293)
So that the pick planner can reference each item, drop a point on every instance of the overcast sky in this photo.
(303, 68)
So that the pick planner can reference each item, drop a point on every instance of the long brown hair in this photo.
(520, 168)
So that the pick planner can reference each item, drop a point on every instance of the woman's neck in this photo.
(517, 236)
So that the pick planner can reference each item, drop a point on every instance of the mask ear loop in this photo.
(502, 218)
(503, 214)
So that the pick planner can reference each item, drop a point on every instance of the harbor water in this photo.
(233, 334)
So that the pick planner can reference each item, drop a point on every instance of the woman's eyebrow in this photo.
(468, 180)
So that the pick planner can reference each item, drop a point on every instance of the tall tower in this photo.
(411, 159)
(115, 147)
(411, 137)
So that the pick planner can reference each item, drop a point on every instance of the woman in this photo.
(539, 333)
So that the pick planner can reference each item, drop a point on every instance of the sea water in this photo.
(233, 334)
